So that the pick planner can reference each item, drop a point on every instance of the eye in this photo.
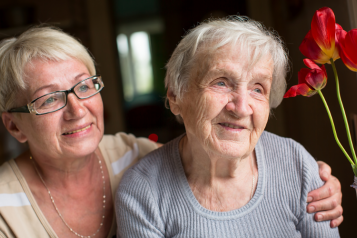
(258, 90)
(50, 100)
(221, 83)
(83, 88)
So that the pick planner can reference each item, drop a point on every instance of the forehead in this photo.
(233, 59)
(45, 76)
(39, 72)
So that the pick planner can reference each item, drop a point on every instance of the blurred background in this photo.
(132, 40)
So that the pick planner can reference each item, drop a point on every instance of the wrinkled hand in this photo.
(326, 201)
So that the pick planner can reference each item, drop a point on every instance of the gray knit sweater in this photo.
(154, 198)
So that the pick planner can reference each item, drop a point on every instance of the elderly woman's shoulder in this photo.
(289, 161)
(162, 162)
(273, 141)
(282, 150)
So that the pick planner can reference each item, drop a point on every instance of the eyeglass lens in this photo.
(57, 100)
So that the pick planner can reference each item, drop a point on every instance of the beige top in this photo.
(20, 215)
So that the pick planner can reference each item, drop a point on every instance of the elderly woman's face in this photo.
(72, 131)
(227, 105)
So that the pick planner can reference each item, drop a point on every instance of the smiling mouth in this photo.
(72, 132)
(231, 126)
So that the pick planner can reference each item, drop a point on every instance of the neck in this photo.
(200, 163)
(219, 184)
(67, 173)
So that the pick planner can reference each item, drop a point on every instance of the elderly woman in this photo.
(64, 185)
(225, 177)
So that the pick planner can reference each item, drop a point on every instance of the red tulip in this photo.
(348, 48)
(310, 80)
(319, 42)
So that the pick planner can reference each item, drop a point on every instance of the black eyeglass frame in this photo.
(29, 108)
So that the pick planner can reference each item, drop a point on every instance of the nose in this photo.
(74, 108)
(239, 104)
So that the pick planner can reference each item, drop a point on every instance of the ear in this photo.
(10, 123)
(174, 107)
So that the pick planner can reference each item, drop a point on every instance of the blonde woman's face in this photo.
(226, 107)
(73, 131)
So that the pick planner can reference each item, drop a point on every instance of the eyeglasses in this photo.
(57, 100)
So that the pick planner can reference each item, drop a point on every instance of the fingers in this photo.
(331, 187)
(327, 202)
(336, 222)
(330, 205)
(324, 170)
(334, 215)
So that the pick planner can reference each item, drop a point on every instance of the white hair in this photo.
(45, 43)
(236, 31)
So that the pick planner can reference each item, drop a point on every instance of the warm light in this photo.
(142, 62)
(125, 66)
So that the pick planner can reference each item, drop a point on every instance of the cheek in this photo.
(261, 116)
(42, 128)
(201, 110)
(97, 110)
(95, 106)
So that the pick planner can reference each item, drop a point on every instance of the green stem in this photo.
(343, 112)
(333, 128)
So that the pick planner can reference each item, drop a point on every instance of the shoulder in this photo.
(282, 148)
(275, 141)
(159, 160)
(11, 189)
(125, 147)
(15, 207)
(7, 176)
(121, 151)
(290, 162)
(289, 159)
(155, 169)
(122, 142)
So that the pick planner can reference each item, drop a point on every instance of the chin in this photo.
(231, 149)
(84, 147)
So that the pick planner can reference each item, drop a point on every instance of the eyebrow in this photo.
(262, 75)
(51, 85)
(218, 71)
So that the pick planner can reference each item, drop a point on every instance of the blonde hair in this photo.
(42, 42)
(237, 31)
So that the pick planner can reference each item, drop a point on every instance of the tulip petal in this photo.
(291, 92)
(323, 30)
(302, 75)
(309, 63)
(350, 45)
(340, 39)
(324, 70)
(311, 50)
(348, 62)
(338, 29)
(300, 89)
(316, 79)
(341, 36)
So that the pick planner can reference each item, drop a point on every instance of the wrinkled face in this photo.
(73, 131)
(226, 107)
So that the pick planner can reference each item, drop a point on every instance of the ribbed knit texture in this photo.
(154, 198)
